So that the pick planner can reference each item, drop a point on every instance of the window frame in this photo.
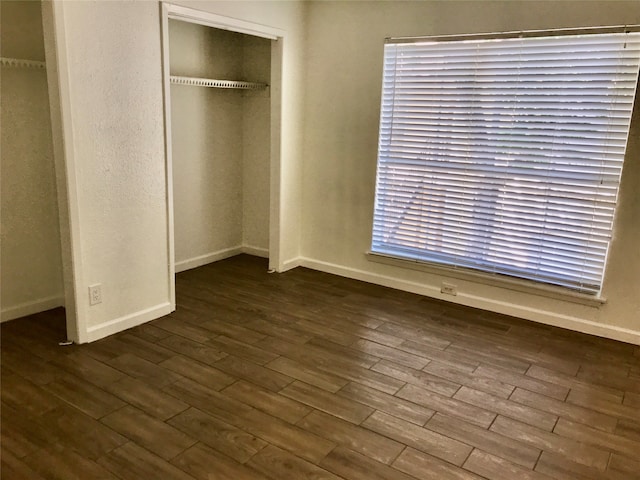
(496, 278)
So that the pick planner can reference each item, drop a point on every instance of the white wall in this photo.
(331, 89)
(342, 95)
(110, 72)
(256, 123)
(111, 79)
(220, 144)
(30, 260)
(289, 16)
(206, 128)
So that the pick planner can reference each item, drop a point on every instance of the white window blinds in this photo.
(505, 155)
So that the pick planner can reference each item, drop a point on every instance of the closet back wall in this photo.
(30, 261)
(220, 140)
(256, 125)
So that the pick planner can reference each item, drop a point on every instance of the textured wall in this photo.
(220, 143)
(30, 261)
(256, 124)
(115, 105)
(289, 16)
(331, 82)
(207, 138)
(22, 29)
(342, 95)
(112, 110)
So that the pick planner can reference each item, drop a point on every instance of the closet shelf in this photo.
(213, 83)
(21, 63)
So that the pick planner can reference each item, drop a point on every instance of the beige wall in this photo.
(110, 66)
(332, 61)
(220, 143)
(342, 95)
(110, 70)
(30, 261)
(289, 16)
(256, 124)
(206, 128)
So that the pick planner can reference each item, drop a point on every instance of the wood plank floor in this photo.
(308, 375)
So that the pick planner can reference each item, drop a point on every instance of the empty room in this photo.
(342, 240)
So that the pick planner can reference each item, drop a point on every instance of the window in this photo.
(504, 155)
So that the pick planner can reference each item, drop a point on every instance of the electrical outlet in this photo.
(449, 289)
(95, 294)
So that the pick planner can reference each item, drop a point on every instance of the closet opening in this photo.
(31, 263)
(222, 118)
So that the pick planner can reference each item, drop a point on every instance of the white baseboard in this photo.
(255, 251)
(533, 314)
(129, 321)
(29, 308)
(291, 264)
(207, 258)
(201, 260)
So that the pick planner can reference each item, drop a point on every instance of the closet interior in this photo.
(220, 139)
(30, 258)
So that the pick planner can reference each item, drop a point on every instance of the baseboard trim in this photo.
(291, 264)
(201, 260)
(255, 251)
(29, 308)
(536, 315)
(128, 321)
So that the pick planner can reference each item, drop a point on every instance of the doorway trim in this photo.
(199, 17)
(64, 155)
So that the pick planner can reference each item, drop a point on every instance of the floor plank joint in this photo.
(308, 375)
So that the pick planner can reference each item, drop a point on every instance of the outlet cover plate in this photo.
(449, 289)
(95, 294)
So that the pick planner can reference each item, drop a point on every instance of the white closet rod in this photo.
(21, 63)
(213, 83)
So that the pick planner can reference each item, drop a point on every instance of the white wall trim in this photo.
(295, 262)
(276, 185)
(211, 257)
(31, 307)
(168, 148)
(208, 19)
(485, 278)
(277, 37)
(129, 321)
(201, 260)
(255, 251)
(536, 315)
(66, 169)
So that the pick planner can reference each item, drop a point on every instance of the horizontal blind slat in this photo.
(505, 155)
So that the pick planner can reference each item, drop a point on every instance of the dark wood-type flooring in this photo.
(306, 375)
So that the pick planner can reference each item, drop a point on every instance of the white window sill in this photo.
(524, 286)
